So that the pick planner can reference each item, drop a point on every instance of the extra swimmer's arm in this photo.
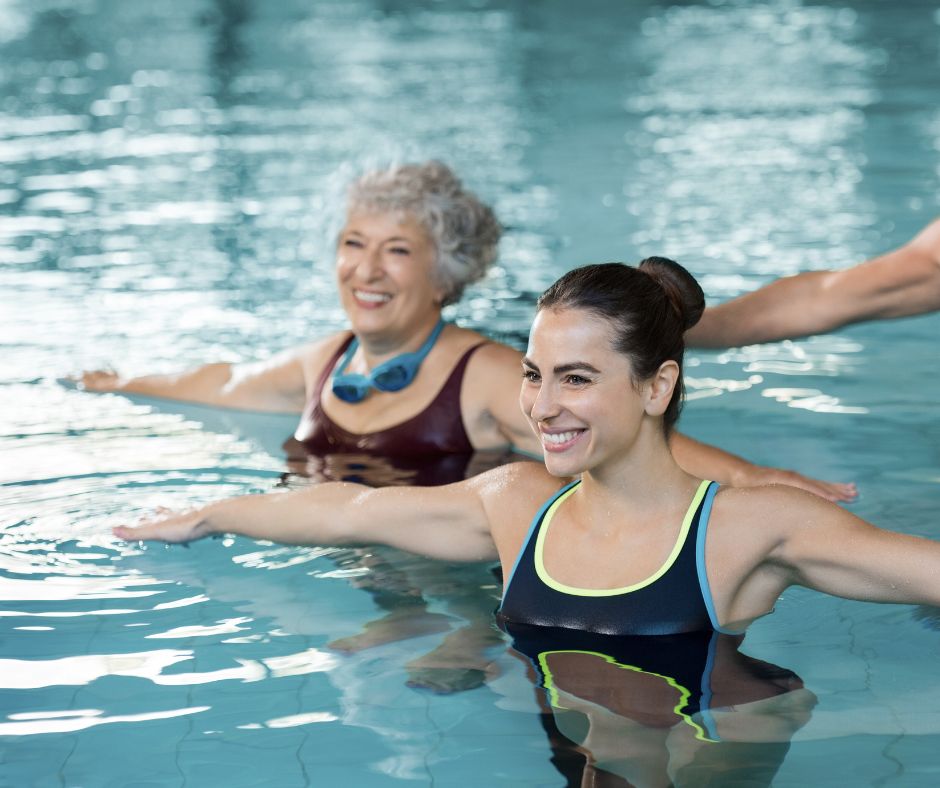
(901, 283)
(710, 462)
(447, 522)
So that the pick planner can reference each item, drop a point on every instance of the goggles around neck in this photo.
(392, 375)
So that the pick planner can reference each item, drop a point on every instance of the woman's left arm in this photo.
(826, 548)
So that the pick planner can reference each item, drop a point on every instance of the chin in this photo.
(368, 320)
(562, 467)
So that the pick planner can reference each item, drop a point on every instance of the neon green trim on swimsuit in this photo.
(684, 694)
(552, 583)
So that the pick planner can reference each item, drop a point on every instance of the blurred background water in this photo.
(169, 181)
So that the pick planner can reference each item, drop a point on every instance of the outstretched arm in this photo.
(831, 550)
(276, 385)
(710, 462)
(803, 540)
(447, 522)
(901, 283)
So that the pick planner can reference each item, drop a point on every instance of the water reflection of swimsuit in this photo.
(675, 599)
(658, 681)
(430, 448)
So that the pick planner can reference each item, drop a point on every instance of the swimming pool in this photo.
(166, 177)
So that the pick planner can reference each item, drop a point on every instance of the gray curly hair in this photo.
(464, 230)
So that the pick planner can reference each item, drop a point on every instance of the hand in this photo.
(99, 380)
(168, 526)
(832, 491)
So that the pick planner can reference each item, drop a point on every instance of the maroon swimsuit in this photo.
(435, 431)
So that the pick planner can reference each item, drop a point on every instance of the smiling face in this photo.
(385, 271)
(578, 392)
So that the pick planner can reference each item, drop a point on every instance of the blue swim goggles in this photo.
(391, 375)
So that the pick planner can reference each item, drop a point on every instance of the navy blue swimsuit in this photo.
(648, 652)
(675, 599)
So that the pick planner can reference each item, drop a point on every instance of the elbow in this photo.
(345, 524)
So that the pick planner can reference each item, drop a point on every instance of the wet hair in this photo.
(650, 308)
(464, 230)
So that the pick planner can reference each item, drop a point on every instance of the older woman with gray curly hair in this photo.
(400, 382)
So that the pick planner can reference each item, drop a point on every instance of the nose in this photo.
(544, 404)
(364, 264)
(371, 264)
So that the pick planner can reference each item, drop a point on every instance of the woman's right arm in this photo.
(275, 385)
(449, 522)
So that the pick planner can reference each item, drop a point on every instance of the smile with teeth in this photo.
(372, 298)
(553, 439)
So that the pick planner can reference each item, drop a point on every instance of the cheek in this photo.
(526, 398)
(425, 265)
(344, 267)
(418, 281)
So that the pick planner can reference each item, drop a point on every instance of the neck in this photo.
(646, 476)
(378, 347)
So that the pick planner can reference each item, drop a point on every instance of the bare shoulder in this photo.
(514, 491)
(491, 369)
(496, 357)
(522, 479)
(769, 513)
(460, 339)
(489, 399)
(769, 498)
(511, 495)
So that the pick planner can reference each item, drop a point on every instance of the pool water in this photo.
(169, 176)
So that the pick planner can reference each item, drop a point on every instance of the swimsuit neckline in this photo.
(419, 415)
(548, 580)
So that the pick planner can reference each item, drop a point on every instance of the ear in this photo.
(659, 388)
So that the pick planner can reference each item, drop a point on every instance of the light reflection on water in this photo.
(168, 187)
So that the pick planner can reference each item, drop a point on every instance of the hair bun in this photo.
(683, 291)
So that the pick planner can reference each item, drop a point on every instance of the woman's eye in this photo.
(399, 250)
(353, 242)
(576, 380)
(529, 375)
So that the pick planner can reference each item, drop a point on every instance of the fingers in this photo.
(98, 380)
(155, 532)
(841, 491)
(837, 492)
(168, 527)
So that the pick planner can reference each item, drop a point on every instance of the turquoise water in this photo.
(168, 180)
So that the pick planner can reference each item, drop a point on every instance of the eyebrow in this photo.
(394, 238)
(563, 368)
